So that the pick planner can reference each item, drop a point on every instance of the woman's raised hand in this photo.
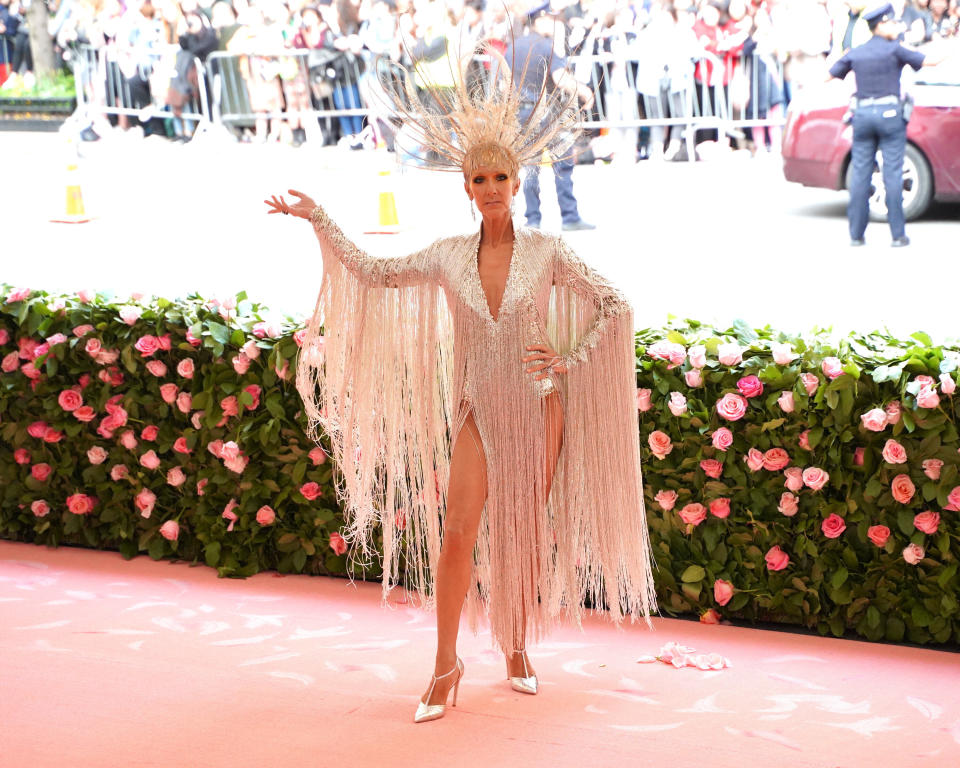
(302, 208)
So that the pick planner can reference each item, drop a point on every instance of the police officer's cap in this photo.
(883, 12)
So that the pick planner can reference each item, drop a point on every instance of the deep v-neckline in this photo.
(506, 282)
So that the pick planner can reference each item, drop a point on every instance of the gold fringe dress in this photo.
(400, 350)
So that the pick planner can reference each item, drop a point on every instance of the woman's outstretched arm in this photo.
(335, 246)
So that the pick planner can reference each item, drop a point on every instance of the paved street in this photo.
(714, 240)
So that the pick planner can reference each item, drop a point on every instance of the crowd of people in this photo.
(716, 57)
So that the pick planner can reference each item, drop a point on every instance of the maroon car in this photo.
(816, 143)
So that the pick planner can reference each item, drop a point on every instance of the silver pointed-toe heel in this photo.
(427, 712)
(526, 684)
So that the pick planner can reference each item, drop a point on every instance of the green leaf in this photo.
(299, 559)
(692, 574)
(220, 333)
(745, 334)
(920, 616)
(922, 338)
(211, 553)
(839, 577)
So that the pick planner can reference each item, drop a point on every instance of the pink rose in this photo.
(643, 400)
(698, 356)
(677, 404)
(229, 514)
(147, 345)
(660, 444)
(21, 456)
(38, 429)
(229, 450)
(931, 468)
(170, 530)
(750, 386)
(927, 397)
(668, 350)
(150, 460)
(130, 315)
(180, 445)
(216, 448)
(754, 459)
(720, 507)
(80, 504)
(40, 508)
(732, 407)
(709, 616)
(197, 419)
(18, 294)
(164, 342)
(84, 413)
(252, 351)
(902, 488)
(52, 435)
(254, 392)
(299, 336)
(317, 455)
(241, 363)
(785, 401)
(878, 534)
(730, 354)
(41, 472)
(175, 477)
(858, 454)
(953, 500)
(776, 559)
(947, 384)
(337, 543)
(914, 553)
(266, 515)
(184, 402)
(86, 295)
(11, 361)
(96, 455)
(265, 329)
(118, 472)
(144, 502)
(928, 522)
(794, 478)
(149, 433)
(712, 468)
(201, 484)
(693, 514)
(832, 367)
(229, 406)
(310, 491)
(128, 440)
(192, 340)
(803, 440)
(722, 591)
(775, 459)
(4, 337)
(783, 354)
(894, 453)
(185, 368)
(237, 465)
(788, 505)
(892, 411)
(157, 367)
(810, 382)
(30, 371)
(722, 439)
(833, 526)
(875, 420)
(694, 378)
(283, 372)
(70, 400)
(666, 499)
(815, 478)
(82, 330)
(923, 381)
(27, 347)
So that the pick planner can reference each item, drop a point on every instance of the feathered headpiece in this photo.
(476, 119)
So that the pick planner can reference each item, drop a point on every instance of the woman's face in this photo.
(492, 189)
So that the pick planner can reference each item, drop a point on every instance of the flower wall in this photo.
(787, 479)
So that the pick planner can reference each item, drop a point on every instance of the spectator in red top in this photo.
(721, 40)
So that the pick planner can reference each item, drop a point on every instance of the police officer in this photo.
(878, 119)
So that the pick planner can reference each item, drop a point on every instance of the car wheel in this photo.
(917, 186)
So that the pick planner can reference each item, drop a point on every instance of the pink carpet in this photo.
(111, 663)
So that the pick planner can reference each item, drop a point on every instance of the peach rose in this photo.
(660, 444)
(693, 378)
(794, 478)
(229, 406)
(709, 616)
(677, 404)
(750, 386)
(722, 591)
(175, 477)
(894, 453)
(229, 514)
(789, 504)
(666, 499)
(902, 488)
(832, 367)
(149, 433)
(337, 543)
(803, 440)
(197, 419)
(775, 459)
(754, 459)
(85, 414)
(892, 410)
(310, 491)
(96, 455)
(875, 420)
(913, 553)
(785, 401)
(732, 407)
(815, 478)
(317, 455)
(237, 464)
(150, 460)
(693, 514)
(928, 522)
(953, 500)
(70, 400)
(201, 484)
(118, 472)
(712, 468)
(643, 400)
(216, 448)
(776, 559)
(157, 368)
(927, 397)
(128, 440)
(720, 507)
(240, 363)
(170, 530)
(80, 504)
(932, 467)
(40, 472)
(878, 534)
(40, 508)
(697, 355)
(252, 351)
(722, 439)
(948, 384)
(730, 354)
(810, 382)
(833, 526)
(184, 402)
(783, 354)
(266, 515)
(185, 368)
(229, 450)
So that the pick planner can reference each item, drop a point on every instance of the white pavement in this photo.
(714, 241)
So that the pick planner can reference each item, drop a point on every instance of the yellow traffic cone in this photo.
(387, 222)
(75, 212)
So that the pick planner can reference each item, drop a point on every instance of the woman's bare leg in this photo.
(466, 496)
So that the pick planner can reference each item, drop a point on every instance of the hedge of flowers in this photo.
(797, 480)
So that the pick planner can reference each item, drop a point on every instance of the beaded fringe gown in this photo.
(399, 351)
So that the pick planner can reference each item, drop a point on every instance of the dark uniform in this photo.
(878, 122)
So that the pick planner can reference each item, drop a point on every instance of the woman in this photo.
(508, 412)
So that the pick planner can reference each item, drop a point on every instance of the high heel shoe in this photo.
(426, 712)
(526, 684)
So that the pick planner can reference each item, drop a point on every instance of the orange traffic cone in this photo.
(387, 222)
(75, 212)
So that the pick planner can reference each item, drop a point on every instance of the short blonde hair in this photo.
(491, 154)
